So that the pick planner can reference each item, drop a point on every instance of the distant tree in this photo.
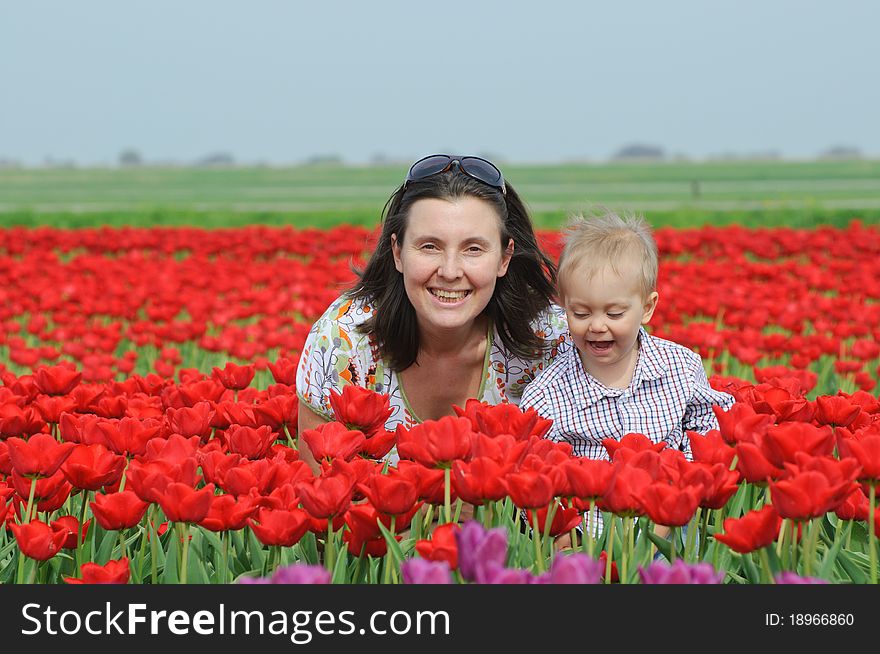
(324, 160)
(216, 159)
(843, 152)
(639, 152)
(130, 157)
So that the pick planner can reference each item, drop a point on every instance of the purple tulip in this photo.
(574, 569)
(422, 571)
(301, 574)
(680, 573)
(492, 573)
(479, 548)
(793, 578)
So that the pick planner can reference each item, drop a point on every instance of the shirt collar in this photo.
(588, 391)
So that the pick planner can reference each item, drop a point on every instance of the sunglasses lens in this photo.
(428, 166)
(482, 170)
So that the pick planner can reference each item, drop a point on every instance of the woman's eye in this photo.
(429, 246)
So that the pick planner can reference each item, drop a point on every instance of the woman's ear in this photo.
(395, 251)
(505, 259)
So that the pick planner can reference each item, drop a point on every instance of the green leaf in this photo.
(856, 574)
(830, 558)
(170, 574)
(750, 569)
(663, 545)
(393, 545)
(340, 570)
(255, 547)
(109, 540)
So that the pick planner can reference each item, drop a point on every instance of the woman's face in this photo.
(450, 258)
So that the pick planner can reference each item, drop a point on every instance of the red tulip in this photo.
(753, 465)
(324, 497)
(622, 494)
(479, 480)
(234, 377)
(249, 442)
(182, 503)
(91, 467)
(804, 496)
(564, 519)
(436, 443)
(783, 441)
(360, 409)
(589, 478)
(835, 410)
(855, 507)
(740, 423)
(228, 513)
(865, 450)
(284, 371)
(442, 546)
(280, 527)
(363, 534)
(333, 440)
(112, 572)
(756, 529)
(71, 525)
(56, 380)
(711, 448)
(669, 505)
(37, 540)
(41, 455)
(17, 421)
(498, 419)
(633, 441)
(117, 511)
(391, 494)
(529, 489)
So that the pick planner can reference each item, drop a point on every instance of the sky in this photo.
(278, 82)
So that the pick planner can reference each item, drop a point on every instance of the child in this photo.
(618, 379)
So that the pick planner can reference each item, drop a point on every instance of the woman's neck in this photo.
(440, 343)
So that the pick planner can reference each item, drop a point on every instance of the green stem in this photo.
(536, 539)
(79, 536)
(447, 493)
(872, 537)
(224, 572)
(184, 533)
(794, 545)
(692, 536)
(765, 565)
(154, 545)
(121, 543)
(329, 547)
(704, 539)
(609, 551)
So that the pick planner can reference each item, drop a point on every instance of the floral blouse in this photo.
(336, 353)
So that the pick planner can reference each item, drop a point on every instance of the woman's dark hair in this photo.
(519, 297)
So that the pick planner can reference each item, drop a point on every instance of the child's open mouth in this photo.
(600, 347)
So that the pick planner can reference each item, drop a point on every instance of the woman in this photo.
(455, 303)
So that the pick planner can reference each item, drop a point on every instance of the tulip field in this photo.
(148, 424)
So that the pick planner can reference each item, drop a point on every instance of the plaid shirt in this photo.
(669, 395)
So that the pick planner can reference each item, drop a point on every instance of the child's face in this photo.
(604, 315)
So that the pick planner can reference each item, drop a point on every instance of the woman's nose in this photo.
(450, 266)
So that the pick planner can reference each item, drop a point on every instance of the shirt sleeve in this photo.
(698, 415)
(329, 359)
(552, 327)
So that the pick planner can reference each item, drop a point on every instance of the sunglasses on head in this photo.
(475, 167)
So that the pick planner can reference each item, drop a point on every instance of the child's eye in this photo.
(615, 315)
(581, 315)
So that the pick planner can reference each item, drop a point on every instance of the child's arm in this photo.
(698, 415)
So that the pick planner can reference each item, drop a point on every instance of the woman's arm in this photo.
(307, 419)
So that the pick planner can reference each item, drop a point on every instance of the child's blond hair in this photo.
(604, 239)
